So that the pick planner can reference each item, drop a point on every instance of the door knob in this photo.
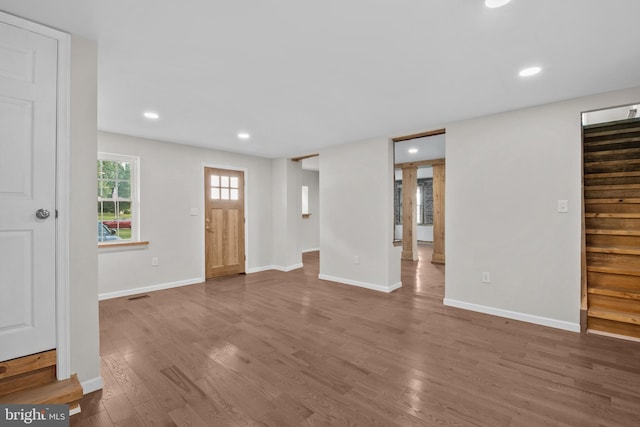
(42, 214)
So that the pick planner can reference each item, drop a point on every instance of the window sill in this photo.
(122, 245)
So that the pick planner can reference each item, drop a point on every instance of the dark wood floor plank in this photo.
(287, 349)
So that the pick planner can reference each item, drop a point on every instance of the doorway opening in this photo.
(610, 302)
(419, 181)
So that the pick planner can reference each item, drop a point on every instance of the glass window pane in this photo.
(234, 182)
(225, 194)
(124, 210)
(124, 170)
(215, 181)
(305, 199)
(106, 188)
(234, 194)
(224, 181)
(108, 170)
(215, 193)
(124, 189)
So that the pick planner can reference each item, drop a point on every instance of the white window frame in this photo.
(135, 193)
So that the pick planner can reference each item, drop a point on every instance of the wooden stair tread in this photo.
(618, 140)
(613, 187)
(611, 151)
(58, 392)
(614, 269)
(615, 200)
(611, 215)
(612, 163)
(612, 174)
(612, 292)
(11, 368)
(612, 232)
(618, 316)
(611, 128)
(603, 249)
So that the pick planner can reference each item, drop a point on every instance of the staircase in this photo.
(32, 380)
(612, 226)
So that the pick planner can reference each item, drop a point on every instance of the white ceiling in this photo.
(302, 75)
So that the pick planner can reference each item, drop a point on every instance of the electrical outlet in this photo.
(154, 261)
(356, 259)
(485, 277)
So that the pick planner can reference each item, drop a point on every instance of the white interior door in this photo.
(28, 76)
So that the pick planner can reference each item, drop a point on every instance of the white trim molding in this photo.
(89, 386)
(373, 287)
(274, 267)
(287, 269)
(529, 318)
(151, 288)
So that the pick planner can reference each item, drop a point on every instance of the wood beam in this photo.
(419, 135)
(438, 214)
(409, 223)
(420, 163)
(308, 156)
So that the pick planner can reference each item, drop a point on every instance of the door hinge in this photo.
(56, 213)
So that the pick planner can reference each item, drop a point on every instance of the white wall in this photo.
(505, 174)
(83, 274)
(171, 183)
(310, 230)
(287, 217)
(356, 215)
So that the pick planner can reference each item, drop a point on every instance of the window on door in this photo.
(224, 187)
(117, 198)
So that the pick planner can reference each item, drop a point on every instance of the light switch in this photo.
(563, 206)
(194, 211)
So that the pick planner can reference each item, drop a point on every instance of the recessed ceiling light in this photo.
(151, 115)
(413, 150)
(495, 3)
(531, 71)
(243, 135)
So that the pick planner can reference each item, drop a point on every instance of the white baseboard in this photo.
(373, 287)
(259, 269)
(310, 250)
(144, 289)
(530, 318)
(89, 386)
(274, 267)
(287, 269)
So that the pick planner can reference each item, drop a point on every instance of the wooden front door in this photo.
(28, 87)
(224, 222)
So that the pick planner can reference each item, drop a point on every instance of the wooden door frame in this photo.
(203, 242)
(63, 186)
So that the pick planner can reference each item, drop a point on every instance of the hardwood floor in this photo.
(287, 349)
